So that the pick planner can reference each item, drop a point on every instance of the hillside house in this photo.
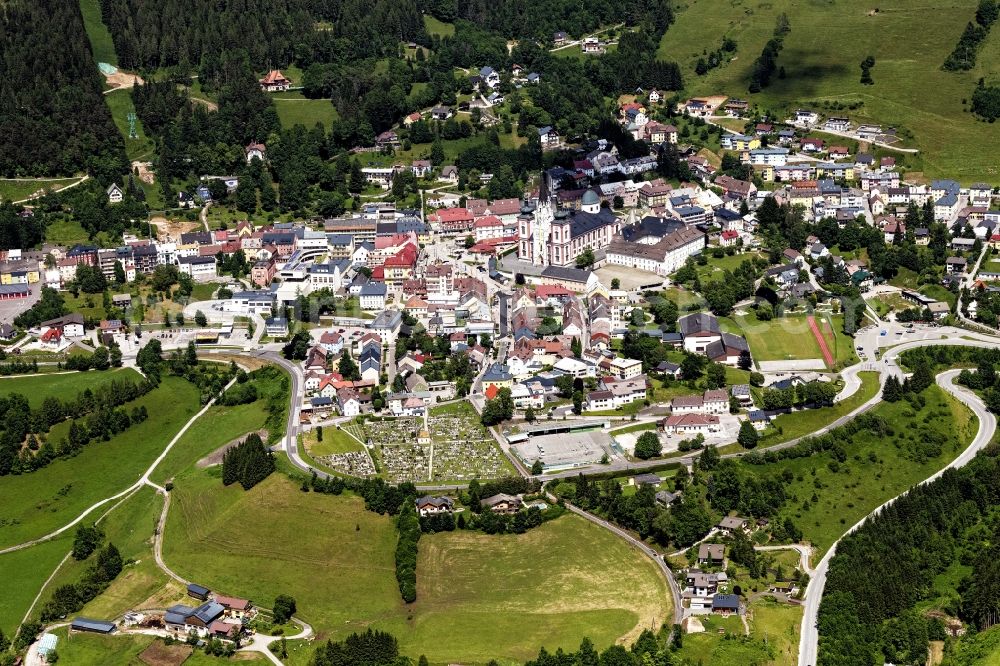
(275, 81)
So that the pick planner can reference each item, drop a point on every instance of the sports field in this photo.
(479, 596)
(36, 388)
(791, 338)
(821, 58)
(35, 504)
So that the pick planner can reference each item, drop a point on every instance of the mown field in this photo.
(790, 338)
(35, 504)
(36, 388)
(23, 572)
(295, 109)
(17, 189)
(822, 56)
(478, 596)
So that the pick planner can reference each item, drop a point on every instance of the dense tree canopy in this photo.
(54, 117)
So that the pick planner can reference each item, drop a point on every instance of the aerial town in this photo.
(427, 335)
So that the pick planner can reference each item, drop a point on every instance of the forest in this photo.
(54, 117)
(886, 569)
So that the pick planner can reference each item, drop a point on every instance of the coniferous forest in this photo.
(54, 119)
(249, 462)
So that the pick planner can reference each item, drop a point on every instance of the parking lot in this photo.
(565, 449)
(9, 310)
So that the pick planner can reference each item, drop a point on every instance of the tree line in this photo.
(105, 567)
(963, 57)
(248, 462)
(97, 414)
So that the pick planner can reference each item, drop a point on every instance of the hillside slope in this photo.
(822, 57)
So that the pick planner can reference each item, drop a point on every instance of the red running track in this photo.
(823, 347)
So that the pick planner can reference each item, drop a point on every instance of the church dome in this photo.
(590, 199)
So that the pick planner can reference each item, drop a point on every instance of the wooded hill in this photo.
(54, 119)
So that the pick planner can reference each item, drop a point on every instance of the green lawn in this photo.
(334, 441)
(66, 232)
(23, 572)
(295, 109)
(781, 339)
(18, 189)
(38, 387)
(713, 270)
(862, 484)
(821, 57)
(96, 650)
(799, 424)
(120, 104)
(722, 642)
(39, 502)
(217, 427)
(790, 338)
(479, 596)
(436, 27)
(777, 625)
(98, 34)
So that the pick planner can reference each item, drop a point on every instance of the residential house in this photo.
(275, 81)
(711, 553)
(502, 503)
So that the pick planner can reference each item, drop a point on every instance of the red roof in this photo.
(488, 221)
(274, 76)
(550, 290)
(452, 215)
(729, 233)
(52, 334)
(378, 274)
(405, 257)
(491, 391)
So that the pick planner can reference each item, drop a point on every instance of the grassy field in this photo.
(436, 27)
(861, 484)
(821, 57)
(36, 503)
(295, 109)
(217, 427)
(65, 232)
(98, 34)
(722, 642)
(478, 597)
(799, 424)
(17, 189)
(334, 441)
(789, 338)
(713, 270)
(120, 104)
(777, 625)
(23, 572)
(37, 388)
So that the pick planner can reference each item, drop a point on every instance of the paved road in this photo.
(675, 591)
(809, 639)
(805, 553)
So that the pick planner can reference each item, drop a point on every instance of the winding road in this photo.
(809, 637)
